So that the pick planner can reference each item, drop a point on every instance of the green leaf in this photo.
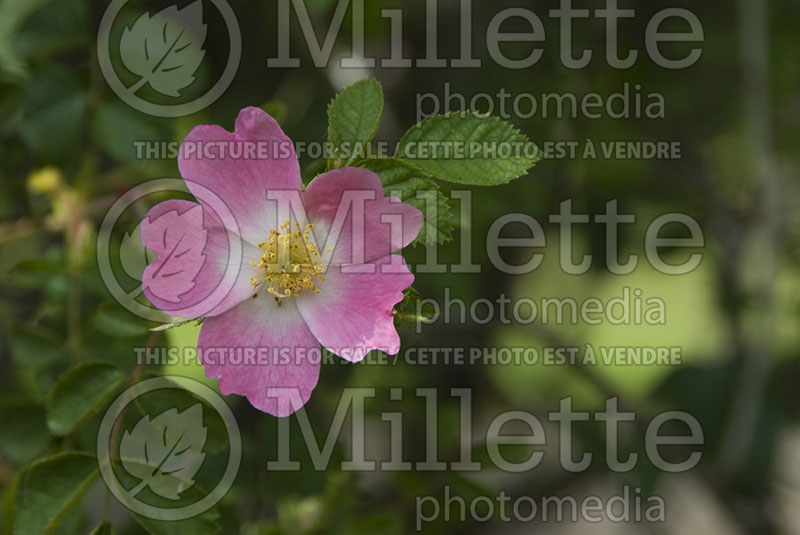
(80, 393)
(49, 489)
(468, 149)
(412, 187)
(114, 320)
(24, 433)
(353, 118)
(103, 529)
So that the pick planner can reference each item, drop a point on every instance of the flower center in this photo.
(290, 262)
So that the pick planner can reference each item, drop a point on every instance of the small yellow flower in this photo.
(45, 180)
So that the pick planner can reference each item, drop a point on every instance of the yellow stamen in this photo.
(290, 262)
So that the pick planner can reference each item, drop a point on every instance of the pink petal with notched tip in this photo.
(352, 314)
(201, 269)
(387, 224)
(260, 325)
(241, 183)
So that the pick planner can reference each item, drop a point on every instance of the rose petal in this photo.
(201, 269)
(388, 224)
(284, 354)
(240, 182)
(352, 314)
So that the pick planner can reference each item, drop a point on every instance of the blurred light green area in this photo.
(691, 322)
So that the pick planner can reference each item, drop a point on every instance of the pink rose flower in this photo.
(270, 291)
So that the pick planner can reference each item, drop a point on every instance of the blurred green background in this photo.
(67, 152)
